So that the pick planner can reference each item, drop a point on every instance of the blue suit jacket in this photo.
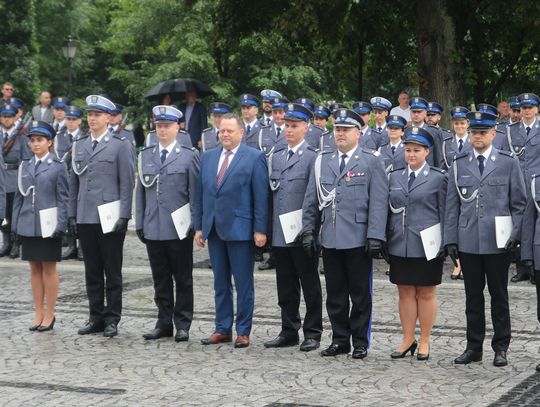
(239, 206)
(198, 121)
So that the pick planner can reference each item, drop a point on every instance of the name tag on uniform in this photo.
(291, 224)
(503, 230)
(48, 219)
(182, 221)
(431, 240)
(109, 214)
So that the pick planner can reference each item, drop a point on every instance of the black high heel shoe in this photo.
(50, 327)
(34, 327)
(401, 355)
(422, 356)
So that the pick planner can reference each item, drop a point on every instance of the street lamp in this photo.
(69, 49)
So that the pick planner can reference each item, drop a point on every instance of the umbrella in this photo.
(178, 87)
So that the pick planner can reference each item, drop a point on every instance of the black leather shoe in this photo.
(15, 249)
(538, 367)
(359, 353)
(181, 335)
(259, 257)
(401, 355)
(45, 328)
(33, 328)
(157, 333)
(467, 357)
(309, 344)
(267, 265)
(516, 278)
(69, 253)
(281, 342)
(335, 349)
(500, 359)
(91, 327)
(422, 356)
(110, 330)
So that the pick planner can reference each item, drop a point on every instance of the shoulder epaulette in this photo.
(319, 127)
(533, 176)
(26, 159)
(189, 148)
(436, 169)
(81, 137)
(327, 151)
(507, 153)
(326, 132)
(58, 160)
(448, 136)
(397, 169)
(370, 151)
(147, 147)
(119, 137)
(460, 155)
(207, 129)
(513, 124)
(181, 131)
(310, 147)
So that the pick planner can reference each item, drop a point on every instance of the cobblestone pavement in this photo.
(61, 368)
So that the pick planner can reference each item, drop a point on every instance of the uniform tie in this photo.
(290, 154)
(278, 131)
(38, 163)
(481, 159)
(342, 163)
(70, 137)
(379, 129)
(393, 150)
(6, 136)
(56, 127)
(111, 129)
(528, 129)
(217, 135)
(163, 155)
(248, 129)
(268, 120)
(94, 144)
(223, 168)
(460, 145)
(412, 177)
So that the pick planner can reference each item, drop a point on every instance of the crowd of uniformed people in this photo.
(371, 187)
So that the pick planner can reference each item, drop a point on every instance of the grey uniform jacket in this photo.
(361, 200)
(50, 190)
(327, 141)
(289, 180)
(169, 186)
(182, 138)
(100, 176)
(449, 150)
(18, 152)
(3, 175)
(526, 148)
(209, 139)
(62, 143)
(251, 138)
(393, 161)
(423, 206)
(501, 192)
(269, 140)
(372, 139)
(313, 135)
(530, 232)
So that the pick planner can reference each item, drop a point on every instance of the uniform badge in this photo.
(478, 116)
(162, 109)
(334, 156)
(415, 130)
(425, 173)
(300, 152)
(463, 191)
(356, 157)
(106, 138)
(343, 113)
(516, 149)
(290, 106)
(492, 158)
(94, 99)
(49, 161)
(347, 178)
(35, 123)
(146, 178)
(177, 149)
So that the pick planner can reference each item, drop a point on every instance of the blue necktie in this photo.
(278, 131)
(460, 145)
(289, 154)
(528, 129)
(481, 159)
(342, 163)
(393, 150)
(248, 129)
(94, 144)
(163, 155)
(412, 177)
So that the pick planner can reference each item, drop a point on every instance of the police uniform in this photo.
(383, 104)
(352, 193)
(481, 187)
(393, 155)
(119, 129)
(42, 183)
(290, 169)
(500, 141)
(272, 137)
(416, 202)
(210, 136)
(15, 150)
(434, 157)
(452, 144)
(167, 182)
(182, 138)
(251, 130)
(103, 172)
(268, 95)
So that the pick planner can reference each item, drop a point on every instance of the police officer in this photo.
(351, 188)
(500, 141)
(459, 141)
(272, 137)
(183, 138)
(314, 133)
(327, 139)
(484, 183)
(523, 139)
(268, 96)
(15, 149)
(290, 170)
(103, 172)
(250, 107)
(369, 137)
(320, 116)
(59, 105)
(167, 180)
(515, 112)
(115, 125)
(42, 184)
(210, 135)
(419, 108)
(63, 150)
(392, 152)
(381, 107)
(434, 113)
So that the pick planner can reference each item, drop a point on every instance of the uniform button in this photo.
(481, 185)
(339, 184)
(481, 195)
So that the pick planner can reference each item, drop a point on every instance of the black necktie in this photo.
(248, 129)
(289, 154)
(6, 136)
(481, 159)
(379, 129)
(94, 144)
(217, 135)
(278, 131)
(163, 155)
(393, 150)
(56, 127)
(412, 177)
(38, 163)
(268, 120)
(460, 145)
(342, 163)
(528, 129)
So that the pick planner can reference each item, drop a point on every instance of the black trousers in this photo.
(103, 271)
(477, 269)
(348, 275)
(537, 280)
(172, 262)
(9, 211)
(295, 270)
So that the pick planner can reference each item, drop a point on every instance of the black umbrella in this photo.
(178, 87)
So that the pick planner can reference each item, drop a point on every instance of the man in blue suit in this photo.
(231, 212)
(196, 117)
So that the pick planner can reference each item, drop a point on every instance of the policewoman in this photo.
(348, 196)
(458, 141)
(167, 180)
(484, 183)
(392, 153)
(210, 136)
(417, 200)
(42, 184)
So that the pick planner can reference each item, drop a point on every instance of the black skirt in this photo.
(415, 271)
(40, 249)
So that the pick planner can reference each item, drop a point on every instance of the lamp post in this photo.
(69, 49)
